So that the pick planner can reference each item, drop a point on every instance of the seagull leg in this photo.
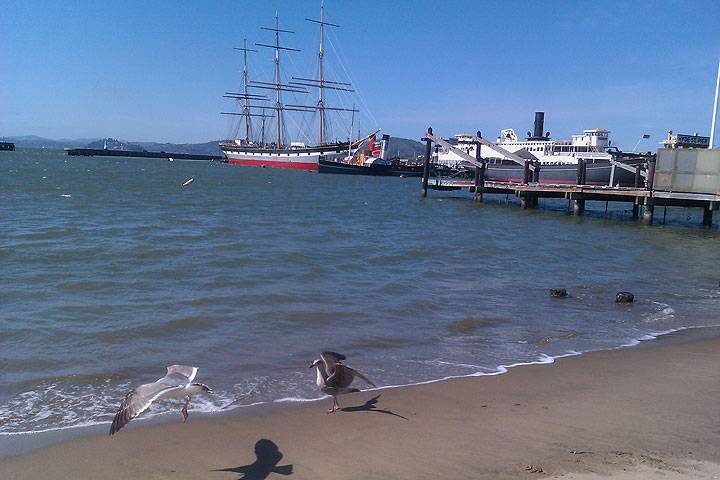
(335, 405)
(184, 411)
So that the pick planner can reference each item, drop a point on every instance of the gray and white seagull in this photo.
(178, 383)
(334, 377)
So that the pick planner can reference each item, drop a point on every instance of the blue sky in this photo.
(156, 71)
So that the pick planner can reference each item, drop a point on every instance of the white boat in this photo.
(592, 145)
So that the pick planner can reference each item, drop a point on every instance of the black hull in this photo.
(597, 173)
(329, 166)
(91, 152)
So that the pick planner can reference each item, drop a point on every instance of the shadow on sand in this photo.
(268, 456)
(371, 406)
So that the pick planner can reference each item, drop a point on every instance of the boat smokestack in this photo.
(539, 124)
(384, 146)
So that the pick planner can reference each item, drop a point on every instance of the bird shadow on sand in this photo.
(371, 406)
(268, 456)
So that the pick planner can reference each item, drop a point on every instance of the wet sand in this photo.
(630, 413)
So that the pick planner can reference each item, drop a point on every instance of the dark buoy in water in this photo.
(624, 297)
(558, 293)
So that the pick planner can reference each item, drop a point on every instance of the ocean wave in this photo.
(62, 404)
(470, 324)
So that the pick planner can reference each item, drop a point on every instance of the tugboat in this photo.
(372, 161)
(279, 152)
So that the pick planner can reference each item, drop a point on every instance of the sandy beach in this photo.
(630, 413)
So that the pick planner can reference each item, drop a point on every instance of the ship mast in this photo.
(320, 83)
(321, 104)
(245, 96)
(246, 110)
(278, 86)
(278, 105)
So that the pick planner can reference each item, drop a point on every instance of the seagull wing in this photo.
(184, 370)
(138, 400)
(330, 359)
(341, 377)
(355, 372)
(344, 376)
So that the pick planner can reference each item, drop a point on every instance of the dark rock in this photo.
(624, 297)
(558, 292)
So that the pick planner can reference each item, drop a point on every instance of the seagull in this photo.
(334, 378)
(178, 383)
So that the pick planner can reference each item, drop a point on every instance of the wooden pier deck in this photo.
(643, 197)
(643, 201)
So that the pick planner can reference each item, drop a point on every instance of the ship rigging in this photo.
(245, 150)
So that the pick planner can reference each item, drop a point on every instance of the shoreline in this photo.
(630, 408)
(19, 443)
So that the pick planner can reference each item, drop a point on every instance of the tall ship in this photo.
(262, 103)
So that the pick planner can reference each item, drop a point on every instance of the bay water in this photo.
(111, 270)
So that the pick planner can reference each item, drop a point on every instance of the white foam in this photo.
(36, 406)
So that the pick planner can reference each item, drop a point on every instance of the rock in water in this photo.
(624, 297)
(558, 292)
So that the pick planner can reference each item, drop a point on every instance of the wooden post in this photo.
(636, 208)
(476, 195)
(426, 164)
(650, 173)
(526, 172)
(707, 215)
(648, 210)
(581, 171)
(479, 172)
(638, 175)
(536, 173)
(578, 206)
(482, 179)
(612, 176)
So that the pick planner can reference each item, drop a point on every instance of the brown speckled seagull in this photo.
(178, 383)
(334, 377)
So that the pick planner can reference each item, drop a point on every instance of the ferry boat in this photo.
(557, 159)
(278, 152)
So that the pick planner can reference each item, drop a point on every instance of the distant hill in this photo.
(33, 141)
(404, 148)
(398, 147)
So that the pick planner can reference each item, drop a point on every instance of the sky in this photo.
(157, 71)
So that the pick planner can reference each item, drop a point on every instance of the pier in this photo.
(688, 178)
(92, 152)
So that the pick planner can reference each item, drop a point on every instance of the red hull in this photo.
(274, 163)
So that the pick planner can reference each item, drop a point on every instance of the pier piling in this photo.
(578, 206)
(426, 164)
(707, 216)
(581, 171)
(648, 211)
(652, 161)
(479, 172)
(536, 172)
